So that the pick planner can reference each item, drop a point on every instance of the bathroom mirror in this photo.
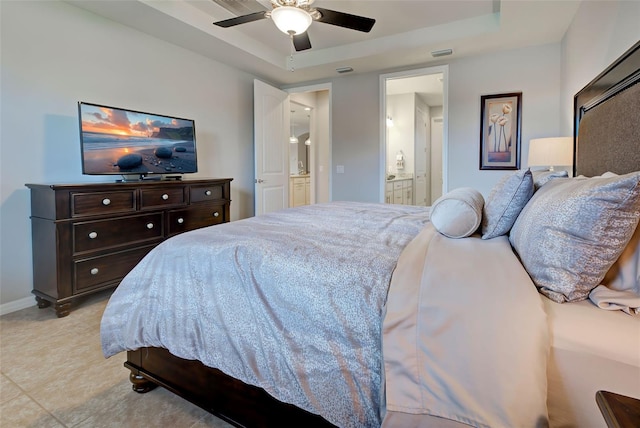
(300, 140)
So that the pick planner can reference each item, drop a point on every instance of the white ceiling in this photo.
(404, 34)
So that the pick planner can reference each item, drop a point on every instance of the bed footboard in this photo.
(228, 398)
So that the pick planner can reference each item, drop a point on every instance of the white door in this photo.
(422, 151)
(271, 140)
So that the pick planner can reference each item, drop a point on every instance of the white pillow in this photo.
(624, 275)
(573, 230)
(458, 214)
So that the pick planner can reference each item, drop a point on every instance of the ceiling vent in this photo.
(344, 70)
(442, 52)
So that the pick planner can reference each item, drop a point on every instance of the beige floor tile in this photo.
(210, 421)
(54, 375)
(8, 389)
(21, 411)
(156, 408)
(103, 385)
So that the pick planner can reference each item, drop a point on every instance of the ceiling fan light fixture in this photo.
(291, 20)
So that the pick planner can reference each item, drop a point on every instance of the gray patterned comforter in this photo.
(290, 301)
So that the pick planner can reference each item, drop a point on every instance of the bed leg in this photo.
(140, 384)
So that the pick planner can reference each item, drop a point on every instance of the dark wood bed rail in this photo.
(234, 401)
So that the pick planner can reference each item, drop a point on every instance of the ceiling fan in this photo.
(293, 17)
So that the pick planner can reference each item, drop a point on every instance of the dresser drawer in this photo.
(105, 270)
(84, 204)
(206, 193)
(195, 218)
(103, 234)
(155, 198)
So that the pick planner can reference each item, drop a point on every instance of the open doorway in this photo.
(413, 148)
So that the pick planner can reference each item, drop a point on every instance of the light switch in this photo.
(340, 169)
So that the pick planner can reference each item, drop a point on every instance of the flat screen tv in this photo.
(133, 143)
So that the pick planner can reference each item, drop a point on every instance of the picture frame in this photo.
(500, 124)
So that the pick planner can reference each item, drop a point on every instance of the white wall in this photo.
(53, 55)
(534, 71)
(599, 34)
(355, 138)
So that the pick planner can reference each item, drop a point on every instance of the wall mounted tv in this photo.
(128, 142)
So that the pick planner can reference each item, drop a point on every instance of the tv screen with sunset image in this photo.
(118, 141)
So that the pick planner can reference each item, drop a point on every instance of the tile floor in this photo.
(53, 374)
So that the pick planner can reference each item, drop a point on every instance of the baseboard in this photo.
(16, 305)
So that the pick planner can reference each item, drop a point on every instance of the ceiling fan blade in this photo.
(301, 42)
(256, 16)
(346, 20)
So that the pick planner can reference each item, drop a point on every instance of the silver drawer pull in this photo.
(165, 197)
(216, 214)
(106, 201)
(93, 235)
(180, 220)
(207, 192)
(94, 271)
(149, 225)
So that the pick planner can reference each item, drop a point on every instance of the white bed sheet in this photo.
(465, 337)
(591, 349)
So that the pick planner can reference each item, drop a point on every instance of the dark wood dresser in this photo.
(87, 237)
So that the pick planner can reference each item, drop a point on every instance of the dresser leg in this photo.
(140, 384)
(63, 309)
(42, 303)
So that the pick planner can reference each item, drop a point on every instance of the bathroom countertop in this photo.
(399, 178)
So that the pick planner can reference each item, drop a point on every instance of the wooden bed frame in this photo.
(245, 405)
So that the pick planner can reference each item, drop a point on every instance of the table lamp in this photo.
(551, 151)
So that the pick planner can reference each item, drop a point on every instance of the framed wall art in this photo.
(500, 122)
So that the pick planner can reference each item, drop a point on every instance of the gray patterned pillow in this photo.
(505, 202)
(573, 230)
(540, 178)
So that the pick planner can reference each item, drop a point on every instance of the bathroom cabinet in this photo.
(399, 191)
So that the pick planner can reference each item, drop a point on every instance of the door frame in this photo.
(444, 69)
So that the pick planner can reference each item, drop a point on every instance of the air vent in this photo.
(443, 52)
(344, 70)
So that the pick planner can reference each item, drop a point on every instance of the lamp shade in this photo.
(551, 151)
(291, 20)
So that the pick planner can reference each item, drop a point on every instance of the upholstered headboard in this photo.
(607, 119)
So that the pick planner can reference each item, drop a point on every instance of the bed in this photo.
(383, 324)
